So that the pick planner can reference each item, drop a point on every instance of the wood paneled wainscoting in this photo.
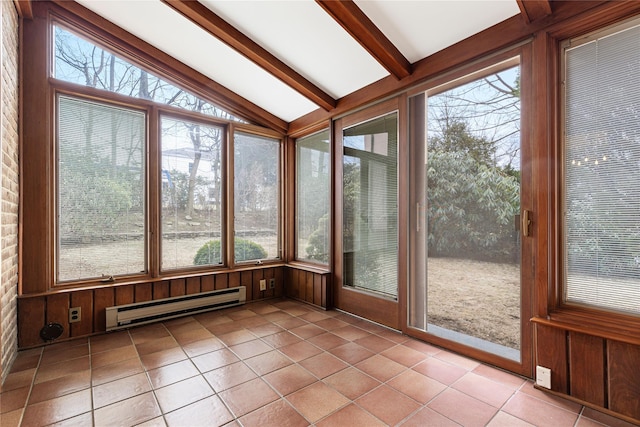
(37, 310)
(599, 371)
(312, 286)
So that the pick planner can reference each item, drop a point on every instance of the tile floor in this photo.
(272, 363)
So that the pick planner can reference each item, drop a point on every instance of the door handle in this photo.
(420, 212)
(526, 222)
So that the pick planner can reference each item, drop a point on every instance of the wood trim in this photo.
(587, 368)
(589, 328)
(219, 28)
(289, 214)
(527, 201)
(552, 352)
(24, 8)
(532, 10)
(404, 210)
(494, 39)
(135, 49)
(154, 193)
(542, 170)
(36, 311)
(36, 209)
(624, 379)
(363, 30)
(100, 95)
(317, 127)
(381, 310)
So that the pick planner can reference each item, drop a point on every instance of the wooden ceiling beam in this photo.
(493, 39)
(363, 30)
(24, 8)
(532, 10)
(219, 28)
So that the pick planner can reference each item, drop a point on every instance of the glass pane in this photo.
(370, 206)
(602, 173)
(191, 193)
(312, 198)
(82, 62)
(472, 215)
(256, 197)
(101, 196)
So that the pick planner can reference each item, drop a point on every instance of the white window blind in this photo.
(101, 190)
(370, 206)
(602, 171)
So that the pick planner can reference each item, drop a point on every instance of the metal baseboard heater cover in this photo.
(125, 316)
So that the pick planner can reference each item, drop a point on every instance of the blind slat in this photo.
(602, 172)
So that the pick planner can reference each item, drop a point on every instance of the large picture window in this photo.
(312, 198)
(602, 170)
(142, 174)
(101, 190)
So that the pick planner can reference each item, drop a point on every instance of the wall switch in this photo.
(272, 283)
(75, 314)
(263, 284)
(543, 377)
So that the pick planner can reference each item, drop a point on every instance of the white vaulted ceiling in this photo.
(302, 35)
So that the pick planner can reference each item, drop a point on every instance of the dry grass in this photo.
(476, 298)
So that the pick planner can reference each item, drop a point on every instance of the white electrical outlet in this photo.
(543, 377)
(263, 284)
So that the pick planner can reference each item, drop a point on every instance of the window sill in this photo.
(126, 281)
(313, 268)
(611, 326)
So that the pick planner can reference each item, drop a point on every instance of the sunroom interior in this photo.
(454, 175)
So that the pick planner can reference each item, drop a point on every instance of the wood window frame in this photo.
(38, 147)
(256, 131)
(293, 178)
(550, 309)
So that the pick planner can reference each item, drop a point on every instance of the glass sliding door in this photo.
(465, 244)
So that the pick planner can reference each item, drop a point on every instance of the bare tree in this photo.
(486, 111)
(82, 62)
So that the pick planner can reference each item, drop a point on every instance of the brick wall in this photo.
(9, 196)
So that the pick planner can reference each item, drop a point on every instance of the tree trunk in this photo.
(193, 173)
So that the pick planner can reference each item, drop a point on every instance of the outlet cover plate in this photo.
(75, 314)
(263, 284)
(543, 377)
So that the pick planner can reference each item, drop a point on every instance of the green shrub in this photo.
(471, 207)
(317, 246)
(244, 250)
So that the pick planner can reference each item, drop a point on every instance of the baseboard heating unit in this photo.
(124, 316)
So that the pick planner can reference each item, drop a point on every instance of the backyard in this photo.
(472, 297)
(476, 298)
